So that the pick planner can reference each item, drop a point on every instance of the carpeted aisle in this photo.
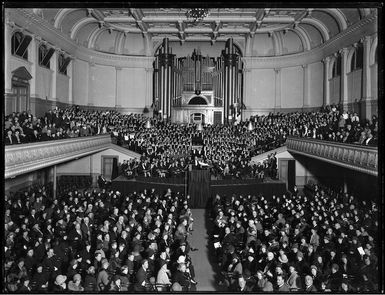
(204, 273)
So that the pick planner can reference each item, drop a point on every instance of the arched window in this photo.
(357, 58)
(45, 55)
(63, 63)
(19, 44)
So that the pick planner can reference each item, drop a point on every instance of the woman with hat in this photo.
(162, 276)
(60, 284)
(75, 284)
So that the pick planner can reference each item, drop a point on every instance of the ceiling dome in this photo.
(273, 31)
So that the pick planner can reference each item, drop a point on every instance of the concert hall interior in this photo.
(154, 148)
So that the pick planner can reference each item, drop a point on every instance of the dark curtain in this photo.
(115, 171)
(199, 188)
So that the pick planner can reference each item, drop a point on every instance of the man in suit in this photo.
(309, 287)
(35, 136)
(281, 285)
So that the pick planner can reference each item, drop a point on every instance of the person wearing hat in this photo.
(75, 284)
(103, 278)
(163, 274)
(250, 264)
(294, 280)
(60, 284)
(90, 280)
(335, 278)
(40, 279)
(300, 264)
(124, 277)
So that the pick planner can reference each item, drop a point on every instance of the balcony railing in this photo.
(357, 157)
(24, 158)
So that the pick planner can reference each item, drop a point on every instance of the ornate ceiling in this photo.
(89, 26)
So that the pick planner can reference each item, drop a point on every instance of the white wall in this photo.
(354, 85)
(292, 88)
(316, 84)
(90, 164)
(80, 82)
(260, 89)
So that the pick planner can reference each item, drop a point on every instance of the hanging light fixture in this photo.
(197, 14)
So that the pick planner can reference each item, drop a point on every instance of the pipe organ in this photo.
(185, 87)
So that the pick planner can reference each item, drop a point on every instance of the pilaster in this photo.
(278, 74)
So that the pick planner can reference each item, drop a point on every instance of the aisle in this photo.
(204, 273)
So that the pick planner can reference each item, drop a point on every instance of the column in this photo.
(246, 74)
(148, 99)
(70, 74)
(277, 88)
(344, 80)
(54, 182)
(91, 66)
(53, 63)
(118, 81)
(366, 81)
(33, 56)
(326, 86)
(7, 54)
(306, 92)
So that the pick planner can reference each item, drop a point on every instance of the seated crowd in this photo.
(321, 243)
(138, 167)
(166, 147)
(97, 240)
(55, 124)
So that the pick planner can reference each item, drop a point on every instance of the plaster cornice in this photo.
(346, 38)
(36, 25)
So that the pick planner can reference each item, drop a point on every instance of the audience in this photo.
(97, 240)
(306, 243)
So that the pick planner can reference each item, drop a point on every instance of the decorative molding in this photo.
(360, 158)
(20, 159)
(33, 22)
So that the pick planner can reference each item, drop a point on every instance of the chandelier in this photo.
(197, 14)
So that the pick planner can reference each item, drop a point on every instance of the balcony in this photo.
(24, 158)
(356, 157)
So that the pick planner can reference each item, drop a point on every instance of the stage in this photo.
(206, 189)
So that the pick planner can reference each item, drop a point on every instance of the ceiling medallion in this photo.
(197, 14)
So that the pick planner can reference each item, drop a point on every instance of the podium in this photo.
(199, 187)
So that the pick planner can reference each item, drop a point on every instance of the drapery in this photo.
(199, 187)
